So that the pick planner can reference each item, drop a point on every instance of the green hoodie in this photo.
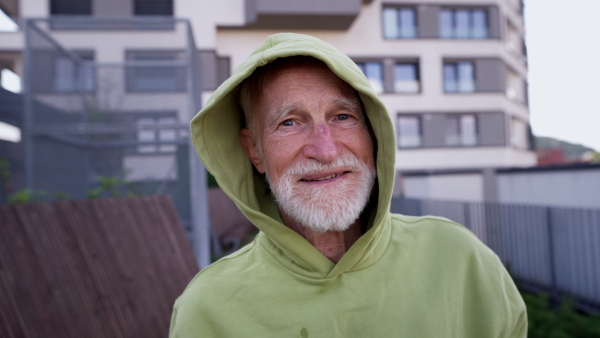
(405, 277)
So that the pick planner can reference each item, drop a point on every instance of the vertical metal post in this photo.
(552, 258)
(198, 197)
(27, 109)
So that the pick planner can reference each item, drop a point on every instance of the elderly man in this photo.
(301, 143)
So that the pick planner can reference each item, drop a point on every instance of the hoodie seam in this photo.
(288, 269)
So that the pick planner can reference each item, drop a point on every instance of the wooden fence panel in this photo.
(96, 268)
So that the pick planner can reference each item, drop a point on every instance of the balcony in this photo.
(308, 14)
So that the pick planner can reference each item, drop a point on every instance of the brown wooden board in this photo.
(94, 268)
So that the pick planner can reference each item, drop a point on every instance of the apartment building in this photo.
(452, 73)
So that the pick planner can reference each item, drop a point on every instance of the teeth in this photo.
(325, 178)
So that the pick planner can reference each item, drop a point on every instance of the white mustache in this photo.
(344, 163)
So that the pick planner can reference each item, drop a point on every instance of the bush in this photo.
(563, 322)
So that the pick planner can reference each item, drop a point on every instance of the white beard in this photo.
(319, 207)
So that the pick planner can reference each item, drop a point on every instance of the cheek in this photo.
(279, 154)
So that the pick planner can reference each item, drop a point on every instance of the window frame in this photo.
(460, 141)
(156, 137)
(362, 64)
(81, 70)
(471, 30)
(417, 78)
(419, 119)
(134, 72)
(398, 11)
(457, 82)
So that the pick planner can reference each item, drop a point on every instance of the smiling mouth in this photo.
(324, 178)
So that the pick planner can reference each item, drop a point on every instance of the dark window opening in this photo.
(70, 7)
(153, 7)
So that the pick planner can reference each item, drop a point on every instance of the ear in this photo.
(251, 150)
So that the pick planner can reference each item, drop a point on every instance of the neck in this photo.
(332, 244)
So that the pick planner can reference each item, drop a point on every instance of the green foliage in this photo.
(212, 182)
(564, 322)
(112, 186)
(25, 196)
(5, 175)
(62, 196)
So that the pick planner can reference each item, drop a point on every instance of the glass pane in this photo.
(408, 23)
(374, 72)
(479, 28)
(452, 131)
(65, 75)
(468, 128)
(167, 134)
(409, 133)
(405, 78)
(390, 23)
(146, 135)
(466, 77)
(88, 76)
(519, 134)
(445, 17)
(450, 78)
(462, 24)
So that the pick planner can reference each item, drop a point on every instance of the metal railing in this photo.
(547, 248)
(118, 108)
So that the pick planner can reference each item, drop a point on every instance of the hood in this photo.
(215, 132)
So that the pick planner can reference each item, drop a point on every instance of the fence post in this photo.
(553, 286)
(467, 214)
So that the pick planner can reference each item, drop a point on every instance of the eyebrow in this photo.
(349, 104)
(276, 113)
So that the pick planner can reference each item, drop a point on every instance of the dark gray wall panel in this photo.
(214, 69)
(494, 21)
(428, 21)
(490, 75)
(434, 130)
(112, 7)
(492, 129)
(306, 14)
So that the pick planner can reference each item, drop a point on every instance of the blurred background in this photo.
(494, 105)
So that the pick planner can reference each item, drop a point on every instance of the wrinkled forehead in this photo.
(309, 81)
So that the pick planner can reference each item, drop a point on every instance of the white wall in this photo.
(451, 187)
(573, 188)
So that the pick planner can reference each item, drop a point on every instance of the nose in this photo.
(322, 145)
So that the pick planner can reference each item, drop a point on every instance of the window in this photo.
(70, 7)
(374, 73)
(151, 129)
(153, 7)
(156, 72)
(406, 78)
(399, 23)
(463, 24)
(519, 134)
(408, 131)
(459, 77)
(71, 75)
(461, 130)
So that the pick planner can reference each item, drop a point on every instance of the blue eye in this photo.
(343, 117)
(287, 123)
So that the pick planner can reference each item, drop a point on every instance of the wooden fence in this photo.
(95, 268)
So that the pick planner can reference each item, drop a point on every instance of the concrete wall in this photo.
(451, 187)
(571, 186)
(566, 187)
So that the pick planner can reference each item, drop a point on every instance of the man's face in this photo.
(314, 146)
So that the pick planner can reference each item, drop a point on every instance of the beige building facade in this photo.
(452, 73)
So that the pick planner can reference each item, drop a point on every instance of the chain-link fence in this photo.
(106, 113)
